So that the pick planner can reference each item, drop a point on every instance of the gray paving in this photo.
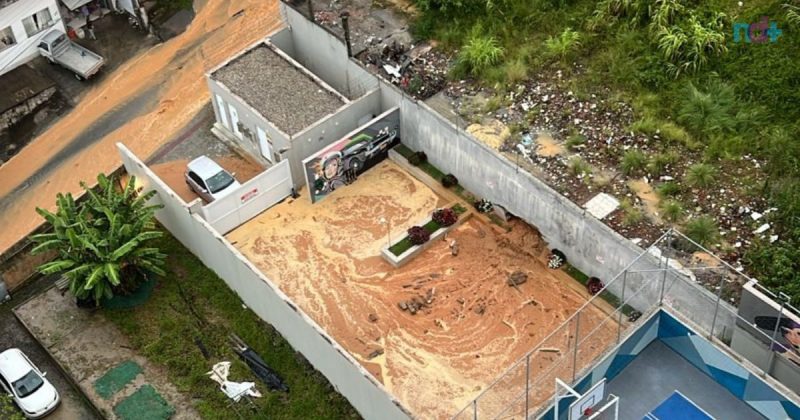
(13, 334)
(657, 372)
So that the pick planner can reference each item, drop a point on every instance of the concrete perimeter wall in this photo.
(324, 55)
(588, 243)
(253, 197)
(329, 130)
(265, 299)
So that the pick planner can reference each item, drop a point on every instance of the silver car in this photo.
(209, 180)
(34, 394)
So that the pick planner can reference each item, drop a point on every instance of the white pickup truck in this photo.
(58, 49)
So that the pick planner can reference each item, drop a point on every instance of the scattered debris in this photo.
(375, 353)
(550, 350)
(516, 278)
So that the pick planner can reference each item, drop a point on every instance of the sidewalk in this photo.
(98, 357)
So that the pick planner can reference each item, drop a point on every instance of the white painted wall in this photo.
(263, 297)
(250, 199)
(25, 48)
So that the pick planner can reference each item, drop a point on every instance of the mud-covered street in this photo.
(144, 103)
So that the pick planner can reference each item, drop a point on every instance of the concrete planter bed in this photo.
(401, 251)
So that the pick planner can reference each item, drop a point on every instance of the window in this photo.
(37, 22)
(6, 38)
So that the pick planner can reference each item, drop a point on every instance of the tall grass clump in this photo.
(479, 54)
(562, 45)
(701, 175)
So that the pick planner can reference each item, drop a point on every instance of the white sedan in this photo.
(209, 180)
(34, 394)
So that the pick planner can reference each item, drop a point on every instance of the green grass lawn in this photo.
(193, 305)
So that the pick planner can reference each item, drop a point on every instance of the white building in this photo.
(22, 24)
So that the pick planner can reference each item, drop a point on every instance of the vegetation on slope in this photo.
(677, 62)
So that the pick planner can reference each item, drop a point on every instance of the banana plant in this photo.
(102, 245)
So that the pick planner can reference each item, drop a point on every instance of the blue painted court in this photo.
(677, 406)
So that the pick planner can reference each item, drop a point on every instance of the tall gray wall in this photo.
(326, 56)
(264, 298)
(328, 130)
(588, 243)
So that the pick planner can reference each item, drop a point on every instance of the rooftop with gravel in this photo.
(281, 92)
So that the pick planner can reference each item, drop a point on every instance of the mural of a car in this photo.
(365, 146)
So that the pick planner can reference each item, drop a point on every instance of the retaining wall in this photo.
(262, 296)
(588, 243)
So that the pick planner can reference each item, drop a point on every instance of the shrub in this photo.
(579, 167)
(706, 113)
(418, 235)
(516, 71)
(633, 161)
(668, 189)
(444, 217)
(479, 53)
(672, 210)
(484, 206)
(575, 141)
(702, 230)
(633, 215)
(556, 260)
(659, 162)
(449, 180)
(563, 44)
(700, 175)
(418, 158)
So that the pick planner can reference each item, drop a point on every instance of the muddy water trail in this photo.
(144, 104)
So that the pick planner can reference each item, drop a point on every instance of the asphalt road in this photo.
(13, 334)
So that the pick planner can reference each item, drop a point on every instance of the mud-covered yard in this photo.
(472, 325)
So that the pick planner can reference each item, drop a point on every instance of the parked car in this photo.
(34, 394)
(209, 180)
(58, 49)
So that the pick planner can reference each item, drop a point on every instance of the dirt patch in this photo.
(651, 201)
(470, 326)
(493, 134)
(547, 146)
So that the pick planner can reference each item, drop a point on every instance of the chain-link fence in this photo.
(674, 273)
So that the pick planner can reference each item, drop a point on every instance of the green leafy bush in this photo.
(702, 230)
(575, 141)
(8, 411)
(668, 189)
(579, 167)
(709, 112)
(479, 53)
(659, 162)
(672, 211)
(449, 180)
(418, 158)
(701, 175)
(633, 161)
(562, 45)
